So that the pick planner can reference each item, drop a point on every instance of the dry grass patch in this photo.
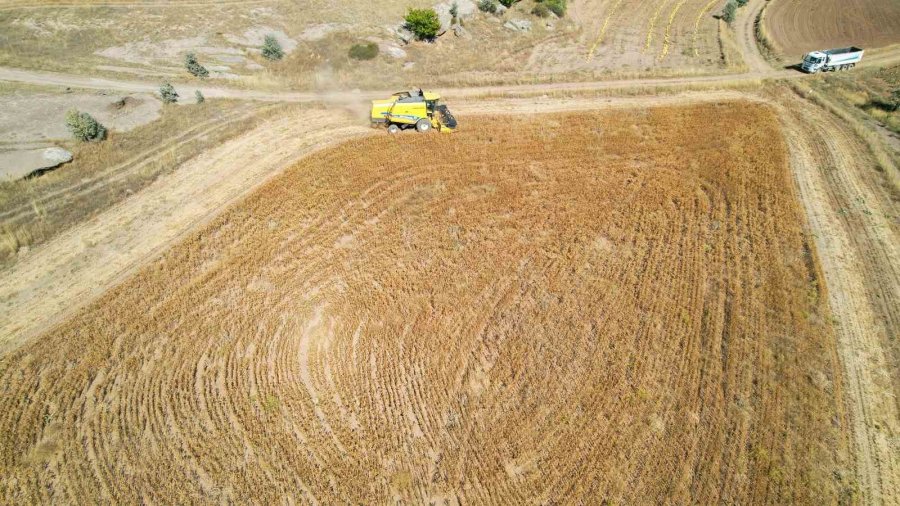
(616, 306)
(33, 210)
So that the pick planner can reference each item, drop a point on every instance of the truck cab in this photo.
(813, 61)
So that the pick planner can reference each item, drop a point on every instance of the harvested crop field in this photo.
(800, 26)
(618, 305)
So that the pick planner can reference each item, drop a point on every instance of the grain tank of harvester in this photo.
(417, 109)
(844, 58)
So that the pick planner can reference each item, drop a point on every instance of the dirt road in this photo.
(745, 29)
(859, 249)
(137, 86)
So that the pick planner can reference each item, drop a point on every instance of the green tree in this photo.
(729, 12)
(193, 66)
(271, 49)
(168, 94)
(423, 23)
(84, 127)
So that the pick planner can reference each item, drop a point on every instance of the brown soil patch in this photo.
(617, 305)
(800, 26)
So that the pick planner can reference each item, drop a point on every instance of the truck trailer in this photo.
(844, 58)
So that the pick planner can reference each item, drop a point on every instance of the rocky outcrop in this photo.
(18, 164)
(519, 25)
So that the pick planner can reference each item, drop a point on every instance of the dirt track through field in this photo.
(859, 245)
(543, 311)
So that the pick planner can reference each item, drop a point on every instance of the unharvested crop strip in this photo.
(602, 34)
(666, 40)
(651, 26)
(706, 8)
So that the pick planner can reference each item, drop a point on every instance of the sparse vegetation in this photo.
(168, 94)
(540, 10)
(42, 207)
(193, 66)
(198, 96)
(423, 23)
(272, 49)
(557, 7)
(363, 51)
(84, 127)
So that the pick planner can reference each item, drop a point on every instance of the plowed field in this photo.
(618, 305)
(799, 26)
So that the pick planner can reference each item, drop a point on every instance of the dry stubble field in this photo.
(618, 305)
(795, 27)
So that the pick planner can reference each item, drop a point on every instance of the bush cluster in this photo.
(193, 66)
(489, 6)
(540, 10)
(84, 127)
(729, 13)
(366, 51)
(557, 7)
(423, 23)
(271, 49)
(168, 94)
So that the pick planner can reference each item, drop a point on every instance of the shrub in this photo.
(168, 94)
(742, 3)
(193, 66)
(271, 49)
(423, 23)
(199, 96)
(454, 12)
(557, 7)
(540, 10)
(729, 12)
(508, 3)
(84, 127)
(489, 6)
(365, 51)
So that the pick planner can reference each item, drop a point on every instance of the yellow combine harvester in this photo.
(417, 109)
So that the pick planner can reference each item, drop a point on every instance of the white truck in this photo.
(831, 59)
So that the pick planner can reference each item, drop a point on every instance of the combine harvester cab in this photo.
(830, 60)
(417, 109)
